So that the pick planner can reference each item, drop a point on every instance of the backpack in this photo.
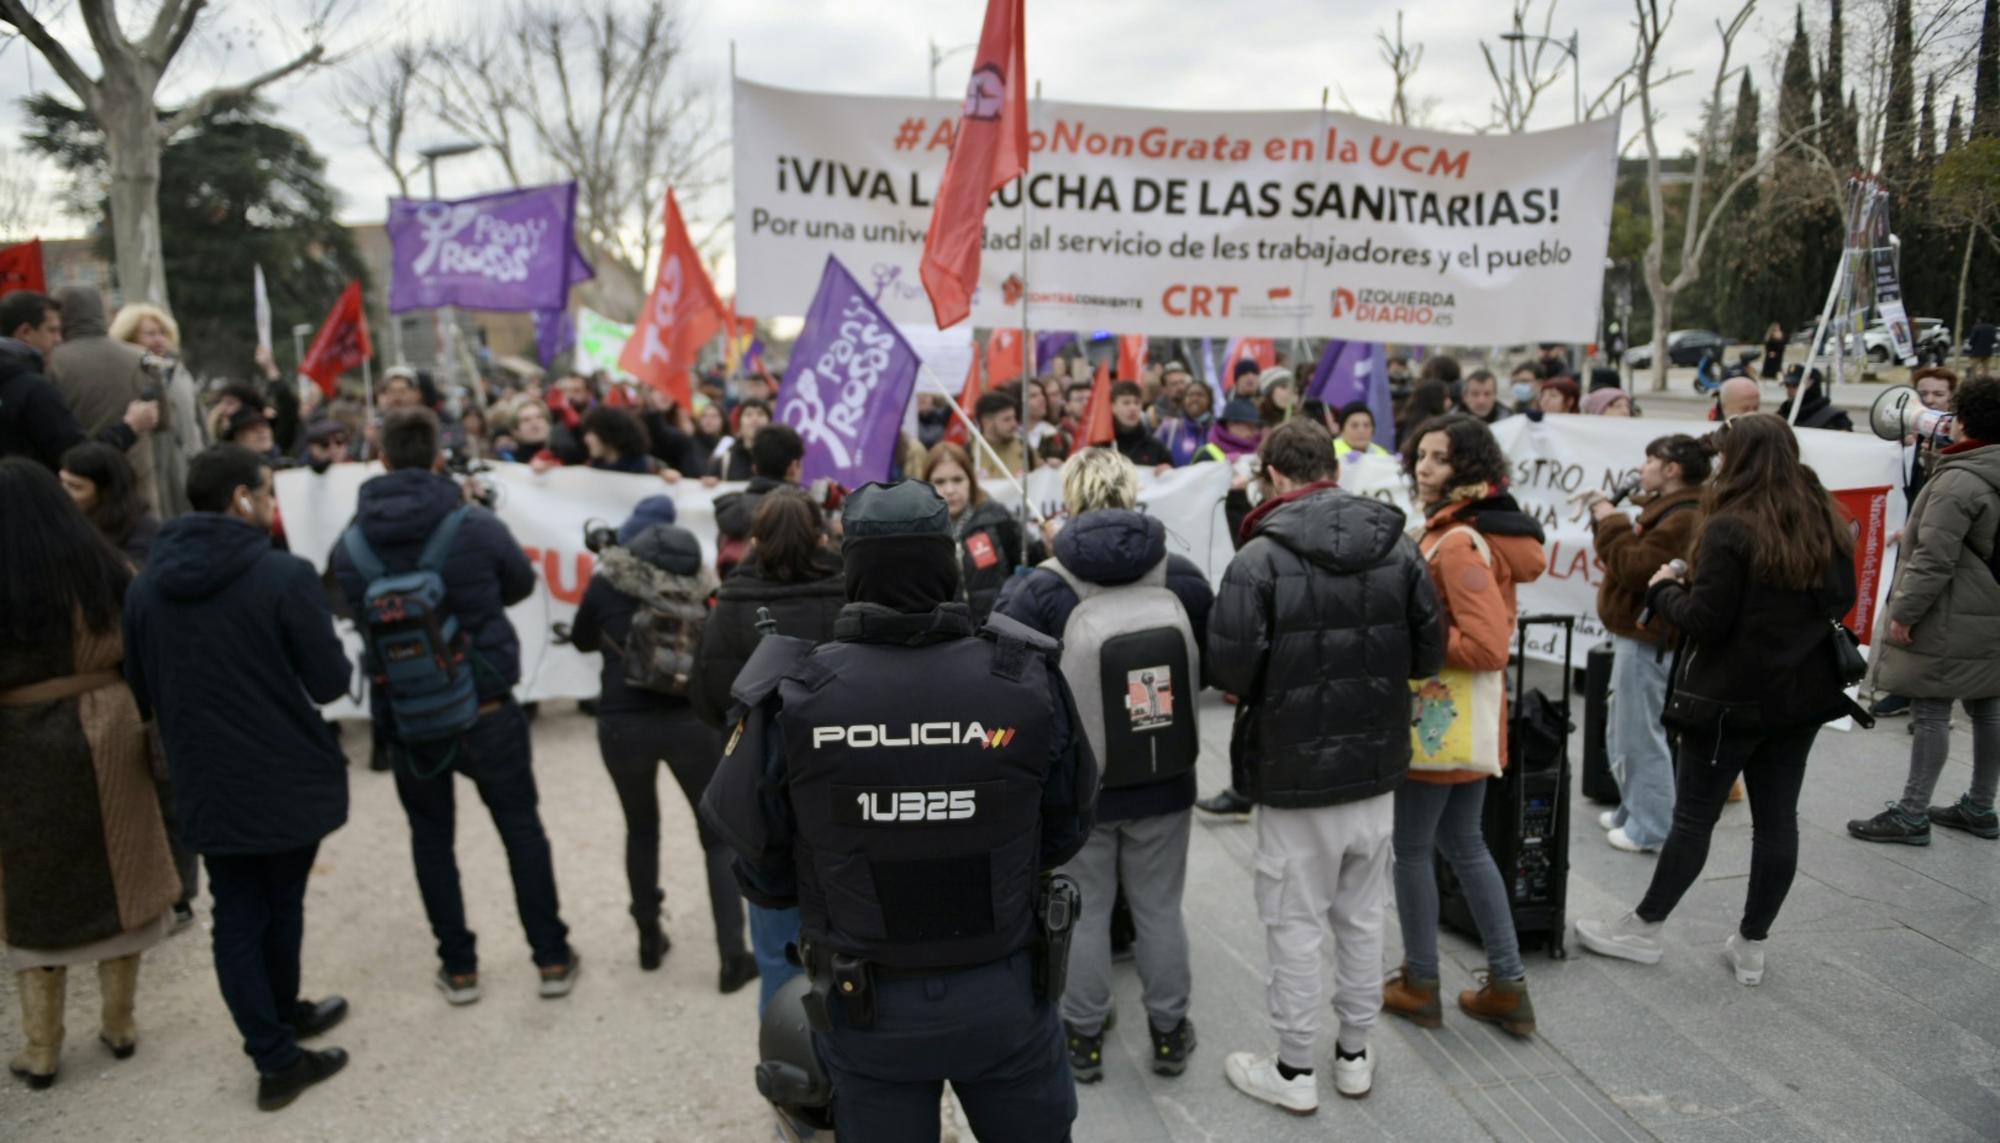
(417, 656)
(1130, 657)
(661, 644)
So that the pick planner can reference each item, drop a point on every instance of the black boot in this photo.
(653, 944)
(738, 969)
(279, 1090)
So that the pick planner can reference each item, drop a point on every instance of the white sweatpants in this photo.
(1315, 868)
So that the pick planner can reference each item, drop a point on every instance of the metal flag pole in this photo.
(972, 430)
(368, 403)
(1029, 365)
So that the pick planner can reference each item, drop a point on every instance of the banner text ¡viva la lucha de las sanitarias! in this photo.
(1183, 223)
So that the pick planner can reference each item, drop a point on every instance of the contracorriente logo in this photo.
(872, 735)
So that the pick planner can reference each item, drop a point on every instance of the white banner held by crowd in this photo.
(1189, 223)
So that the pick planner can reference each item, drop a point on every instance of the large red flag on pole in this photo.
(1096, 427)
(989, 150)
(1131, 356)
(1005, 357)
(683, 312)
(21, 269)
(342, 343)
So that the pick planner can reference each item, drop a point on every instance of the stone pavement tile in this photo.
(1906, 963)
(1973, 932)
(1861, 870)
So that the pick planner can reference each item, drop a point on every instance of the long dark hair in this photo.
(118, 501)
(787, 530)
(1791, 518)
(57, 565)
(1475, 456)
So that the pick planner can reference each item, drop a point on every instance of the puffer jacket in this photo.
(1322, 617)
(1478, 599)
(1113, 546)
(1630, 555)
(804, 610)
(1946, 591)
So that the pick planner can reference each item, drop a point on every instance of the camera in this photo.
(467, 471)
(598, 535)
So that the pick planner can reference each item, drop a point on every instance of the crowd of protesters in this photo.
(146, 574)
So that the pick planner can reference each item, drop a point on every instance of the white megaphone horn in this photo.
(1898, 414)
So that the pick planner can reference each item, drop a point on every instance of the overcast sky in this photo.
(1182, 54)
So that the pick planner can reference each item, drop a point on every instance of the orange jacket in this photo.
(1477, 600)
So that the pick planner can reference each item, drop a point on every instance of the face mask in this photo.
(1523, 391)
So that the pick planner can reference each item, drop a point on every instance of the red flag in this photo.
(989, 150)
(342, 343)
(21, 268)
(968, 397)
(1262, 350)
(1096, 426)
(1005, 357)
(680, 316)
(1131, 356)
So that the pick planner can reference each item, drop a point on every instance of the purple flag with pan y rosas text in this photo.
(515, 250)
(1352, 371)
(848, 381)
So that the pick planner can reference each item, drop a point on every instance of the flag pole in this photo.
(972, 431)
(368, 402)
(1030, 365)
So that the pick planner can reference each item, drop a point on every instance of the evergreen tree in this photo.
(1743, 133)
(1837, 129)
(1899, 120)
(1927, 127)
(1986, 80)
(1795, 90)
(236, 191)
(1954, 128)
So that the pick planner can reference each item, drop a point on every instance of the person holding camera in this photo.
(1944, 626)
(1670, 484)
(908, 786)
(646, 610)
(415, 542)
(1761, 668)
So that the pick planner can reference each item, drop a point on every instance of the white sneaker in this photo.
(1608, 820)
(1619, 839)
(1257, 1077)
(1746, 957)
(1354, 1079)
(1627, 938)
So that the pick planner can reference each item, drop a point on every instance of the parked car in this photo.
(1684, 347)
(1933, 340)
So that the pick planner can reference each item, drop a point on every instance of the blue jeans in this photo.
(498, 757)
(1641, 760)
(1432, 816)
(770, 931)
(260, 922)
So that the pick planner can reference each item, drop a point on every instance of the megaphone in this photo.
(1898, 413)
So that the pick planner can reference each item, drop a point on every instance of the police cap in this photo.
(910, 508)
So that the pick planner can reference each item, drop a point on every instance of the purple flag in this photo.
(850, 377)
(1357, 371)
(515, 250)
(555, 331)
(1048, 345)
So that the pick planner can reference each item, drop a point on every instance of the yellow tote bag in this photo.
(1455, 714)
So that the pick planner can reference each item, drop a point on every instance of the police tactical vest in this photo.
(916, 777)
(1132, 663)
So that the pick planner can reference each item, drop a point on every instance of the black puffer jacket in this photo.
(1113, 546)
(1758, 658)
(1323, 615)
(804, 610)
(485, 574)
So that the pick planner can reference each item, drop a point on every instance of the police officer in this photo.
(908, 785)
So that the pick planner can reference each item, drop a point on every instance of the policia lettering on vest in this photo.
(909, 786)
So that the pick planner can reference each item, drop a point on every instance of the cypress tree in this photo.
(1986, 80)
(1743, 132)
(1837, 129)
(1795, 90)
(1899, 121)
(1927, 126)
(1954, 128)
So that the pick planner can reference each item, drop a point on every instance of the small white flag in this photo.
(263, 312)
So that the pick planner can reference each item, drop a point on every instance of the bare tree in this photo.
(383, 99)
(123, 100)
(1403, 60)
(1700, 222)
(1532, 68)
(598, 89)
(1945, 37)
(21, 206)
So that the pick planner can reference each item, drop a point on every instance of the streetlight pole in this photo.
(446, 327)
(939, 56)
(1572, 46)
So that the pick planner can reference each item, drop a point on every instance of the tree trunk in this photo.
(1964, 277)
(132, 147)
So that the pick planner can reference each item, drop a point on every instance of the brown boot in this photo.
(1414, 998)
(118, 980)
(1502, 1002)
(42, 1019)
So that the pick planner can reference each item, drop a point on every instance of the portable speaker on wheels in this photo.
(1527, 808)
(1598, 784)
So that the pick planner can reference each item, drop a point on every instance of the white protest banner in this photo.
(546, 513)
(1187, 500)
(599, 341)
(1186, 223)
(1558, 460)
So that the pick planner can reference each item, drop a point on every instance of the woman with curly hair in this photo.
(1480, 545)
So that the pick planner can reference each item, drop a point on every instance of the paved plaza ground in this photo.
(1879, 1018)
